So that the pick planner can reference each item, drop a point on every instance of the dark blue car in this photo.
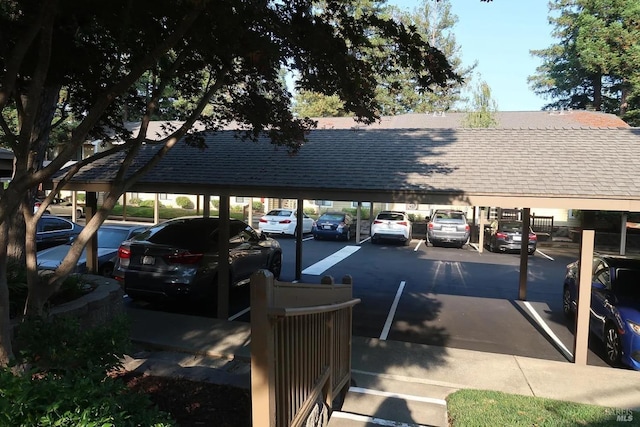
(615, 305)
(333, 225)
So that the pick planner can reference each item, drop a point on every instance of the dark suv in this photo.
(448, 227)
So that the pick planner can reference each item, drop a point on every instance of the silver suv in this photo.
(448, 227)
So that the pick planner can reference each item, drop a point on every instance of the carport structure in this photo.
(586, 168)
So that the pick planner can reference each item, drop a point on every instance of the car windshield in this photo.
(511, 226)
(390, 216)
(279, 212)
(628, 284)
(331, 217)
(453, 216)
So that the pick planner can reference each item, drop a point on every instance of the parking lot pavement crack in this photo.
(524, 376)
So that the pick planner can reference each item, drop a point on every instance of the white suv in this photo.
(392, 225)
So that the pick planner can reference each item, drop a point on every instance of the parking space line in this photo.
(474, 246)
(565, 351)
(308, 238)
(392, 313)
(421, 241)
(544, 255)
(364, 240)
(238, 314)
(411, 397)
(321, 266)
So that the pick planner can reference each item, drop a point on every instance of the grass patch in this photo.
(491, 408)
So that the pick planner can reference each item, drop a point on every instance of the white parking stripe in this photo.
(544, 255)
(418, 245)
(307, 238)
(365, 419)
(549, 332)
(321, 266)
(402, 396)
(364, 240)
(240, 313)
(392, 313)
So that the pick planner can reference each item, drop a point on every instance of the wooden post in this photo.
(481, 231)
(156, 209)
(298, 234)
(74, 206)
(623, 233)
(263, 401)
(581, 344)
(524, 253)
(358, 221)
(223, 258)
(124, 207)
(206, 209)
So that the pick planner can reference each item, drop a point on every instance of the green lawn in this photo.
(469, 408)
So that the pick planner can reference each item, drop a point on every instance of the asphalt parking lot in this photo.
(450, 297)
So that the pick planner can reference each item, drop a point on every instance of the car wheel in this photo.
(407, 242)
(612, 351)
(275, 266)
(347, 237)
(531, 252)
(374, 240)
(106, 270)
(566, 303)
(79, 213)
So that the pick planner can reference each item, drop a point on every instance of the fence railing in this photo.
(300, 347)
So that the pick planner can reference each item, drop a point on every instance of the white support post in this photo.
(581, 344)
(623, 233)
(156, 209)
(358, 221)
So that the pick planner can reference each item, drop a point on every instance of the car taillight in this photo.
(467, 228)
(532, 236)
(285, 221)
(377, 222)
(263, 220)
(500, 235)
(124, 252)
(431, 226)
(402, 223)
(183, 258)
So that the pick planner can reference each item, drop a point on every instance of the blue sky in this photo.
(499, 35)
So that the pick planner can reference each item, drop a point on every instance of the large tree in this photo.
(399, 92)
(596, 62)
(99, 62)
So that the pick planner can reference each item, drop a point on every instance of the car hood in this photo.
(629, 309)
(52, 257)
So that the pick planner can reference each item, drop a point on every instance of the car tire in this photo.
(347, 236)
(612, 346)
(567, 309)
(79, 213)
(275, 265)
(106, 270)
(407, 241)
(374, 240)
(531, 252)
(316, 237)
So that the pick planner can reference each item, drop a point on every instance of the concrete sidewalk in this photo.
(385, 366)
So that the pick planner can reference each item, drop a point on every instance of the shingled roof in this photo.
(579, 168)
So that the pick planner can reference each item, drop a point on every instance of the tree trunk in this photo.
(6, 349)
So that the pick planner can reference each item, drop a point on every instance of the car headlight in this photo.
(635, 327)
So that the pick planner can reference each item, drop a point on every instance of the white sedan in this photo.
(283, 221)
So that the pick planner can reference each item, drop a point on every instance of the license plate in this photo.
(517, 238)
(448, 229)
(148, 260)
(327, 227)
(273, 222)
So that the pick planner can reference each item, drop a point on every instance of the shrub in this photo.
(67, 383)
(149, 204)
(134, 201)
(81, 197)
(258, 206)
(184, 202)
(215, 203)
